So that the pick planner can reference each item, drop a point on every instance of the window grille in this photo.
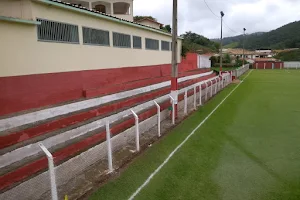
(165, 45)
(95, 36)
(57, 32)
(137, 42)
(121, 40)
(152, 44)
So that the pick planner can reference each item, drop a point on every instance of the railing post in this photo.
(222, 83)
(137, 131)
(206, 90)
(173, 108)
(200, 94)
(216, 85)
(195, 92)
(219, 84)
(211, 88)
(51, 172)
(109, 151)
(185, 101)
(158, 117)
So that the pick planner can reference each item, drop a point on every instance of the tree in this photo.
(167, 28)
(227, 58)
(140, 17)
(213, 60)
(195, 42)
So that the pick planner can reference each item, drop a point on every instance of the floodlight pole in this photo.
(244, 47)
(221, 45)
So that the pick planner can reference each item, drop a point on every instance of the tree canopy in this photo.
(139, 17)
(193, 42)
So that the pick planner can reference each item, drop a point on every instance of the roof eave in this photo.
(114, 19)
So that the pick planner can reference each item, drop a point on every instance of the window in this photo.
(137, 42)
(57, 32)
(165, 45)
(95, 36)
(121, 40)
(152, 44)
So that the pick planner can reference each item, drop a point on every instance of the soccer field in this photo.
(248, 148)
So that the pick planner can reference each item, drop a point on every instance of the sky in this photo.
(195, 16)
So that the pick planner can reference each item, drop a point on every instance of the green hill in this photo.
(287, 36)
(289, 55)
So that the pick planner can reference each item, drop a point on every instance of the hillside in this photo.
(286, 36)
(289, 55)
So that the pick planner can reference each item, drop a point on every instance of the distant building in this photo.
(118, 8)
(239, 53)
(263, 53)
(149, 22)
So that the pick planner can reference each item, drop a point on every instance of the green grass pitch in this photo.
(248, 149)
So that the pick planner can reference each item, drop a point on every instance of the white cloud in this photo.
(254, 15)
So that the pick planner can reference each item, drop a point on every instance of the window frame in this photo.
(162, 45)
(133, 42)
(126, 47)
(153, 40)
(92, 44)
(56, 41)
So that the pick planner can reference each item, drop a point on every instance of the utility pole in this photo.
(174, 77)
(244, 47)
(221, 53)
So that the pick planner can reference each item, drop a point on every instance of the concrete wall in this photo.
(292, 64)
(203, 61)
(22, 54)
(267, 65)
(16, 8)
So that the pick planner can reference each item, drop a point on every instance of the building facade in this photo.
(52, 42)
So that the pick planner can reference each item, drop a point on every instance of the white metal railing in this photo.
(212, 89)
(241, 70)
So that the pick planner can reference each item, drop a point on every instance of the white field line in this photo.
(181, 144)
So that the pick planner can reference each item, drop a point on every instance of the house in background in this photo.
(238, 53)
(119, 8)
(263, 53)
(149, 22)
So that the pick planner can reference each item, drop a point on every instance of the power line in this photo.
(219, 17)
(231, 28)
(210, 9)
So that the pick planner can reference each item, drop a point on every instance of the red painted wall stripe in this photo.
(20, 93)
(21, 136)
(30, 169)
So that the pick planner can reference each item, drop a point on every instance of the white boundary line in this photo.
(182, 143)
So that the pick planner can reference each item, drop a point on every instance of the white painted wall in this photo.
(203, 61)
(292, 64)
(16, 8)
(22, 54)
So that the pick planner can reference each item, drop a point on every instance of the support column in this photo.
(112, 9)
